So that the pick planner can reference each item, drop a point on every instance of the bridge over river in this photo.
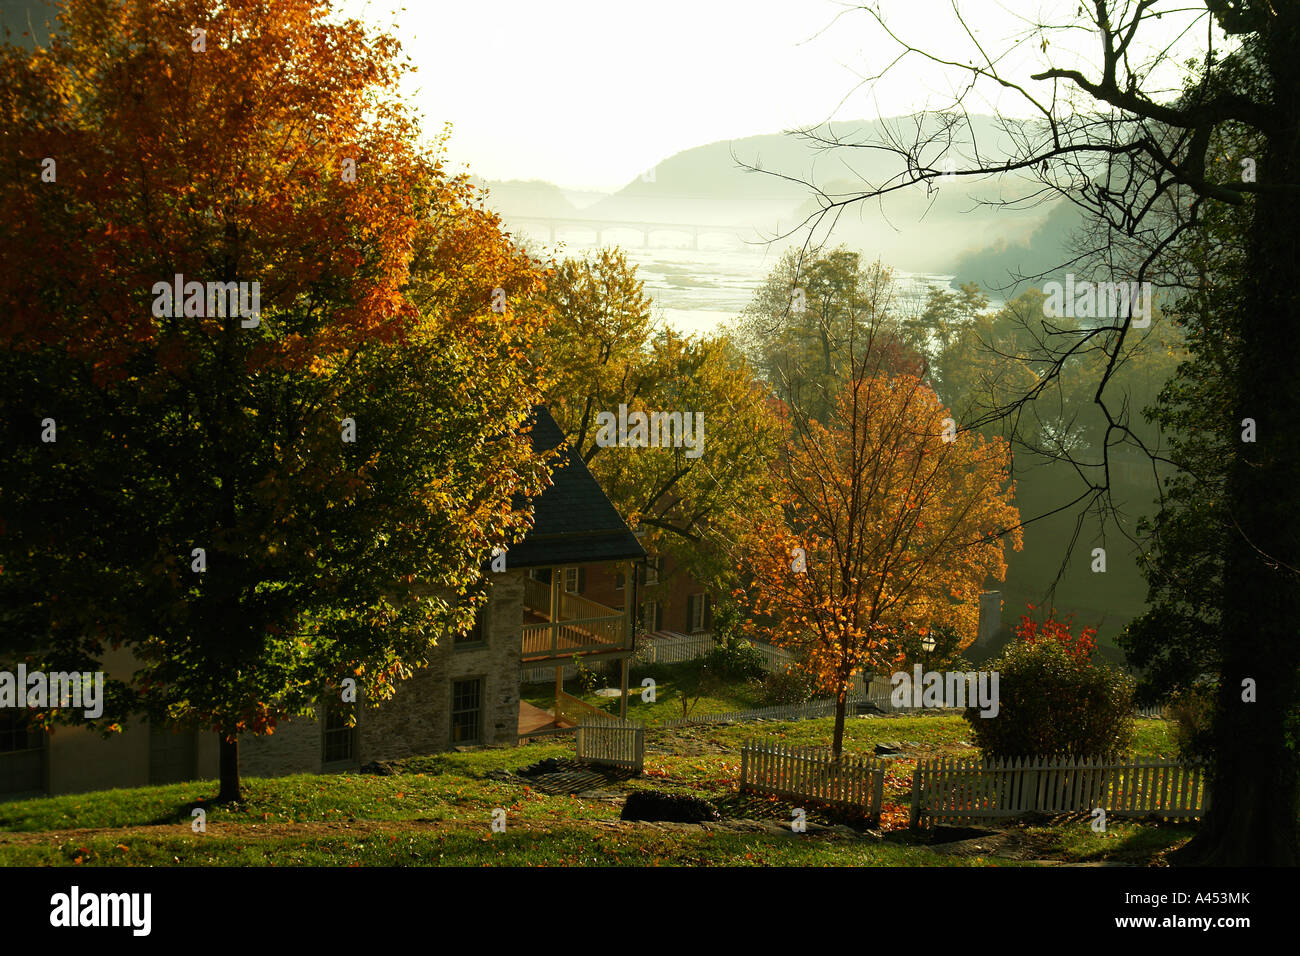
(555, 226)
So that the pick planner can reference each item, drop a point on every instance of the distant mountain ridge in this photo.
(958, 226)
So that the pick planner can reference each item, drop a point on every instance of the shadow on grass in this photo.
(745, 805)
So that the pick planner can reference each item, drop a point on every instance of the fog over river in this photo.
(696, 290)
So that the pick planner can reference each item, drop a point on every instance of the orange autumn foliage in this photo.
(897, 526)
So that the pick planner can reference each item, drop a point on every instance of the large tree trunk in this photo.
(1253, 810)
(230, 789)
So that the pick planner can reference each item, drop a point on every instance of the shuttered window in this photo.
(698, 614)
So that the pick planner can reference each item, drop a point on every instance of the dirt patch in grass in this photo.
(686, 742)
(1011, 844)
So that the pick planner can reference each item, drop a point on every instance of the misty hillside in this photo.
(961, 226)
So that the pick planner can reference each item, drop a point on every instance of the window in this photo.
(467, 711)
(475, 635)
(340, 741)
(650, 619)
(652, 568)
(698, 617)
(618, 581)
(573, 580)
(22, 755)
(14, 735)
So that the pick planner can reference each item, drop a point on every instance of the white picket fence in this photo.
(964, 790)
(673, 650)
(667, 650)
(615, 743)
(814, 708)
(688, 647)
(545, 675)
(771, 766)
(777, 659)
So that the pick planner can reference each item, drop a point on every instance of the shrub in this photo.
(1192, 710)
(1080, 648)
(794, 686)
(727, 621)
(735, 659)
(732, 657)
(587, 678)
(1053, 701)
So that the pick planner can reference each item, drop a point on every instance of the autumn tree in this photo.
(260, 500)
(601, 351)
(891, 520)
(944, 315)
(797, 330)
(594, 351)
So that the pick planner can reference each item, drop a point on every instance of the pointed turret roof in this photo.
(575, 522)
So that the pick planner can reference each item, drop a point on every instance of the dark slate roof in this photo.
(574, 522)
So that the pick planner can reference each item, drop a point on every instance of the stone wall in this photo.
(295, 747)
(417, 719)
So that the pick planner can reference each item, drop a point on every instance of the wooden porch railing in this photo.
(573, 607)
(572, 710)
(537, 596)
(573, 637)
(581, 625)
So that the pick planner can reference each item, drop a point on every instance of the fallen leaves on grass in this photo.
(894, 816)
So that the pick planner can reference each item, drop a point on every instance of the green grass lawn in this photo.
(438, 810)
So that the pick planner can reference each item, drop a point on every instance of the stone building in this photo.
(468, 694)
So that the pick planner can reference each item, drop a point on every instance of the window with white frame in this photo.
(652, 568)
(650, 616)
(697, 613)
(572, 580)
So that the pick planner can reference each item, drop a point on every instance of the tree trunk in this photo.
(230, 790)
(1253, 808)
(841, 699)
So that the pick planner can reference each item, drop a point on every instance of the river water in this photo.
(698, 290)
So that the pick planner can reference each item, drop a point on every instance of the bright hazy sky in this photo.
(589, 93)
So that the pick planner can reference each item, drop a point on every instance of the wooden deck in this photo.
(581, 627)
(533, 719)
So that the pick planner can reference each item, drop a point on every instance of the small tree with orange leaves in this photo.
(889, 515)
